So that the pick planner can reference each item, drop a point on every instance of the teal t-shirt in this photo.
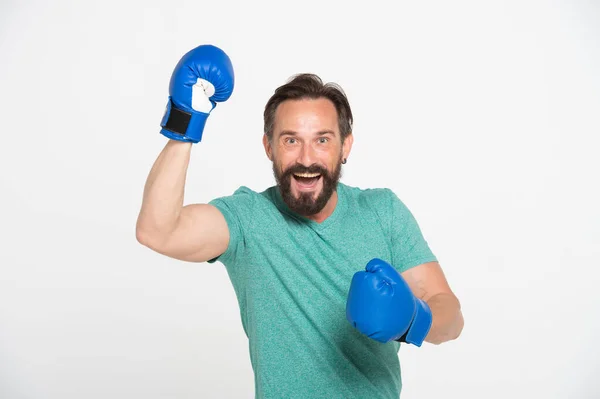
(291, 276)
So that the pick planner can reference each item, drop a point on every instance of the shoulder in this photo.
(241, 197)
(245, 198)
(241, 193)
(378, 197)
(381, 200)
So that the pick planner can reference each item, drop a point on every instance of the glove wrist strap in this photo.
(420, 325)
(183, 125)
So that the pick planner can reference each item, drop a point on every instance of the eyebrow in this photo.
(319, 133)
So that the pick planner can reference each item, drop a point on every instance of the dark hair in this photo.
(310, 86)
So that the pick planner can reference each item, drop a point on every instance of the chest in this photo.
(289, 259)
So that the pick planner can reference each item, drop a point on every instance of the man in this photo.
(330, 279)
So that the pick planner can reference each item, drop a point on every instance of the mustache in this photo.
(297, 168)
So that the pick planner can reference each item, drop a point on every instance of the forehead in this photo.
(306, 116)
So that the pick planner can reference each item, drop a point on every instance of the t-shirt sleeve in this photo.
(409, 247)
(235, 209)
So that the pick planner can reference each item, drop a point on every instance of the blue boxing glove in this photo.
(382, 306)
(202, 78)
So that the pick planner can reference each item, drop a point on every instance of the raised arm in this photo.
(197, 233)
(194, 233)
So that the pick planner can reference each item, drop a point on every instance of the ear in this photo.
(268, 148)
(347, 146)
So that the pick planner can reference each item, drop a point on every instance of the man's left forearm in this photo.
(447, 318)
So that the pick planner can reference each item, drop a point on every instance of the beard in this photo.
(305, 204)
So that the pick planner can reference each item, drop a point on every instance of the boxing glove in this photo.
(202, 78)
(382, 306)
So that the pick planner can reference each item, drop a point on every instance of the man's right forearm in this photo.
(164, 191)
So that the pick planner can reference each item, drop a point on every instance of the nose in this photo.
(307, 156)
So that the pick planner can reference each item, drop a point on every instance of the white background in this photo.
(482, 116)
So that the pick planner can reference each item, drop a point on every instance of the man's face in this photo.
(307, 153)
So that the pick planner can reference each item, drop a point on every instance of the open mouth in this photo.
(307, 180)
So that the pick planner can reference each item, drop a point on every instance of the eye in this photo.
(323, 140)
(290, 140)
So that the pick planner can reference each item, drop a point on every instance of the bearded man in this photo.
(330, 279)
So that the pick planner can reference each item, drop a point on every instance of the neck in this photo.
(327, 210)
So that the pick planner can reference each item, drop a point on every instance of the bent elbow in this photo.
(460, 323)
(141, 236)
(146, 237)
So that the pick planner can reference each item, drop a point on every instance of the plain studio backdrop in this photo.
(483, 117)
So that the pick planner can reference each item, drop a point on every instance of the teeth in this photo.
(307, 174)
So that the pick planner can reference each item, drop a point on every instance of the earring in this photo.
(344, 161)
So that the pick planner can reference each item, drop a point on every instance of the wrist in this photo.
(178, 145)
(420, 324)
(181, 123)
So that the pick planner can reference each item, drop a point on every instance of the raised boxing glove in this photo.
(382, 306)
(202, 78)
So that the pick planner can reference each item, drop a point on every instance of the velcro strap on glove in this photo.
(420, 325)
(183, 125)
